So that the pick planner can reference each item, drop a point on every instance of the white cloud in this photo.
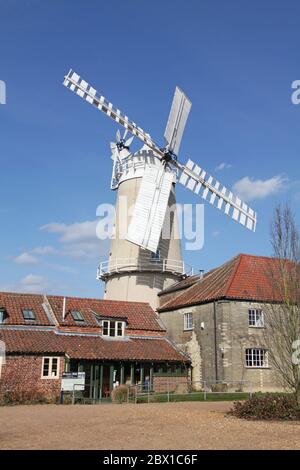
(25, 258)
(78, 231)
(28, 257)
(44, 250)
(249, 189)
(223, 166)
(79, 240)
(216, 233)
(33, 284)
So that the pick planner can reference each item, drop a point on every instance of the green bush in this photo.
(269, 406)
(119, 394)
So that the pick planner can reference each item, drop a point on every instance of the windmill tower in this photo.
(145, 254)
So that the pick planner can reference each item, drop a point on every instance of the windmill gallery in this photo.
(157, 320)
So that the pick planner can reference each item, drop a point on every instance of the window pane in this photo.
(256, 358)
(54, 367)
(28, 314)
(77, 316)
(256, 318)
(188, 321)
(46, 367)
(105, 328)
(112, 330)
(120, 328)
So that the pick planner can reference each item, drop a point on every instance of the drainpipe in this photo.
(215, 340)
(64, 309)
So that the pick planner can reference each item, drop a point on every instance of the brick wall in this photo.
(21, 375)
(164, 383)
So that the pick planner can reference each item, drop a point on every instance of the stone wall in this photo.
(217, 344)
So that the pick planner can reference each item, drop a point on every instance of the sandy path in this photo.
(150, 426)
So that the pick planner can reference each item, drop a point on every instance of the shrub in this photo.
(270, 406)
(119, 394)
(24, 397)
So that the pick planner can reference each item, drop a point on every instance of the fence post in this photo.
(149, 391)
(204, 390)
(168, 390)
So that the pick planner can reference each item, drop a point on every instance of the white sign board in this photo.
(72, 381)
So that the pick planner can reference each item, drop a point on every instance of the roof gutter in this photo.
(216, 342)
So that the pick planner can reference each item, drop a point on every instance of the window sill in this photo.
(257, 327)
(188, 329)
(257, 367)
(50, 378)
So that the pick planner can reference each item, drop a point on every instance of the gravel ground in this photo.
(192, 425)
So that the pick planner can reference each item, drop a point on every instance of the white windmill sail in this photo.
(179, 113)
(151, 205)
(198, 181)
(82, 88)
(150, 208)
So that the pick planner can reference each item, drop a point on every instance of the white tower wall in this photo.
(131, 273)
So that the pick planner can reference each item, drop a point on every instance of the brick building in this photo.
(218, 319)
(113, 342)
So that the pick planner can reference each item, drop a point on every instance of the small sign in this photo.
(73, 381)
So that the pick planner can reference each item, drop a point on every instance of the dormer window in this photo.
(113, 328)
(29, 314)
(77, 316)
(2, 315)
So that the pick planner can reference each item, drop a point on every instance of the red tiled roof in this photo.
(14, 303)
(180, 285)
(245, 277)
(89, 347)
(139, 315)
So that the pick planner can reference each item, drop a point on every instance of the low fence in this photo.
(168, 391)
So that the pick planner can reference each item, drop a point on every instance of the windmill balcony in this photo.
(124, 265)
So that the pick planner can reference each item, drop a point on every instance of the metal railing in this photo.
(119, 265)
(169, 391)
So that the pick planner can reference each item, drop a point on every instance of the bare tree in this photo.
(282, 311)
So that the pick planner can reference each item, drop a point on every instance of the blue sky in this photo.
(236, 60)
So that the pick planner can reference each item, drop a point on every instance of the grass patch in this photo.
(195, 396)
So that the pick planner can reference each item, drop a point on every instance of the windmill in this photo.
(157, 169)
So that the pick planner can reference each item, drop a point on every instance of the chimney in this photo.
(201, 271)
(64, 309)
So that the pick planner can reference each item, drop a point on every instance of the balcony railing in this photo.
(123, 265)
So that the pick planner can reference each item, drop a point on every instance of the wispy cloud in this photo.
(223, 166)
(32, 256)
(216, 233)
(44, 250)
(33, 283)
(250, 189)
(78, 240)
(25, 258)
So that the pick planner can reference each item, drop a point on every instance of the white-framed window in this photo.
(256, 357)
(113, 328)
(256, 318)
(188, 321)
(50, 368)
